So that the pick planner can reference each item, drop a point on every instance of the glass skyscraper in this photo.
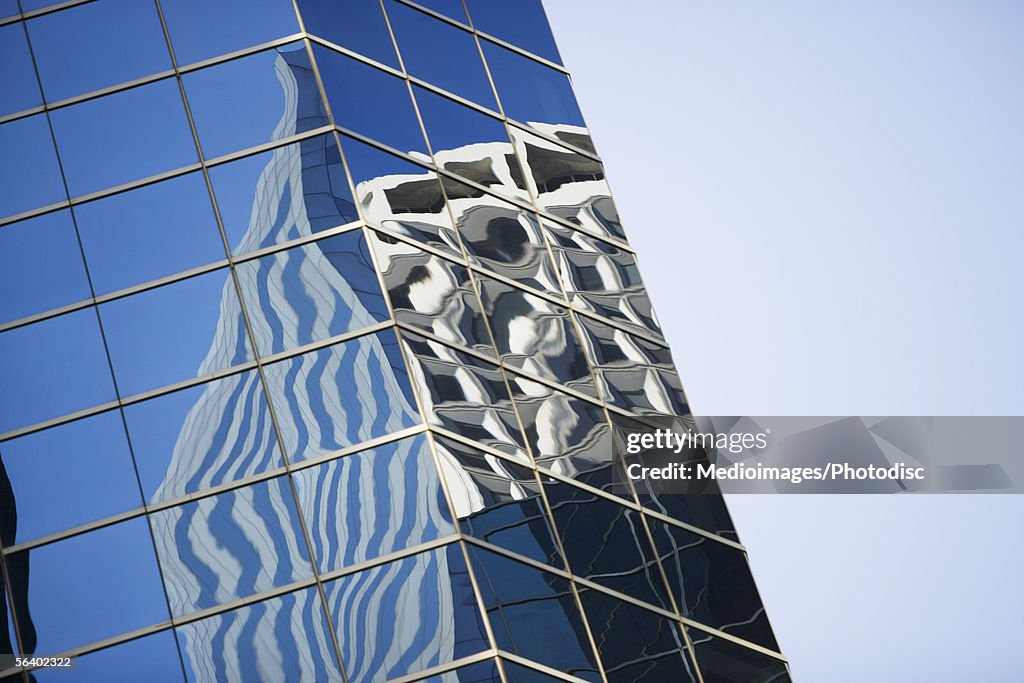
(314, 320)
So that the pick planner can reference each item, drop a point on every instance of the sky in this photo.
(827, 200)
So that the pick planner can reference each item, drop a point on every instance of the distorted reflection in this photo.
(722, 661)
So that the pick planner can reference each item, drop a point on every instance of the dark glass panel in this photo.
(311, 292)
(148, 233)
(230, 546)
(373, 503)
(29, 173)
(534, 614)
(175, 332)
(452, 9)
(84, 48)
(63, 592)
(517, 673)
(18, 84)
(406, 616)
(498, 501)
(9, 8)
(41, 266)
(702, 510)
(281, 640)
(358, 25)
(432, 293)
(153, 659)
(342, 395)
(722, 661)
(256, 99)
(349, 83)
(290, 192)
(122, 137)
(481, 672)
(201, 29)
(52, 368)
(201, 437)
(440, 53)
(521, 23)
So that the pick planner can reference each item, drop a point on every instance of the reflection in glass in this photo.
(359, 25)
(481, 672)
(722, 661)
(29, 174)
(230, 546)
(406, 616)
(281, 640)
(41, 266)
(452, 9)
(18, 77)
(153, 659)
(522, 23)
(201, 29)
(517, 673)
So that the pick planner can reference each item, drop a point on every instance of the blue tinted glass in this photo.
(85, 464)
(277, 196)
(8, 8)
(149, 233)
(245, 102)
(175, 332)
(84, 48)
(521, 23)
(440, 53)
(427, 604)
(40, 266)
(451, 125)
(373, 503)
(341, 395)
(284, 640)
(531, 92)
(311, 292)
(201, 29)
(201, 437)
(52, 368)
(351, 85)
(517, 673)
(229, 546)
(123, 137)
(153, 659)
(29, 173)
(18, 87)
(71, 586)
(358, 25)
(481, 672)
(452, 9)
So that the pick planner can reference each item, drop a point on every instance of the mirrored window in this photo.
(522, 23)
(200, 29)
(201, 437)
(341, 395)
(406, 616)
(283, 194)
(52, 368)
(481, 672)
(256, 99)
(18, 77)
(41, 266)
(517, 673)
(29, 174)
(723, 661)
(285, 639)
(699, 509)
(439, 53)
(175, 332)
(149, 233)
(151, 658)
(311, 292)
(122, 137)
(83, 48)
(67, 587)
(358, 25)
(507, 240)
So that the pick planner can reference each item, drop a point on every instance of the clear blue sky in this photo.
(838, 188)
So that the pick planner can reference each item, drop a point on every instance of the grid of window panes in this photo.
(313, 319)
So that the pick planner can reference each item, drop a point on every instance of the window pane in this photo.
(70, 587)
(256, 99)
(440, 54)
(506, 239)
(123, 137)
(201, 29)
(722, 661)
(148, 233)
(358, 25)
(521, 23)
(175, 332)
(276, 196)
(84, 48)
(8, 8)
(153, 659)
(29, 174)
(18, 84)
(517, 673)
(406, 616)
(373, 503)
(351, 86)
(342, 395)
(452, 9)
(311, 292)
(201, 437)
(41, 266)
(52, 368)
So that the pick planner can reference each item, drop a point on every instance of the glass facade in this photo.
(314, 320)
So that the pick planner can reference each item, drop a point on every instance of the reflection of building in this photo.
(393, 460)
